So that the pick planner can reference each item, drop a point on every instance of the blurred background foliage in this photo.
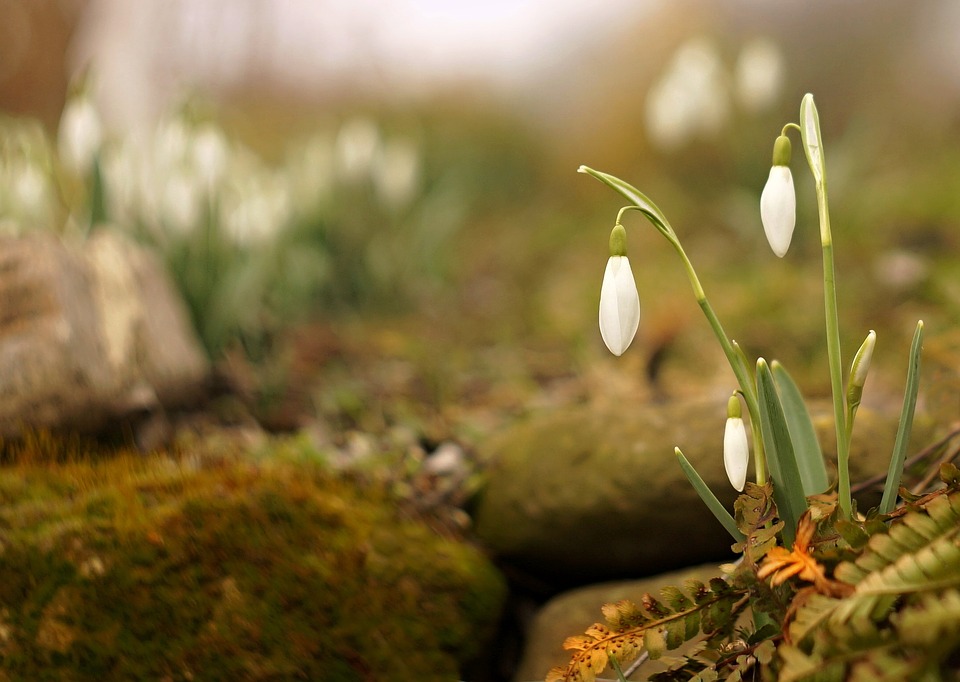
(324, 219)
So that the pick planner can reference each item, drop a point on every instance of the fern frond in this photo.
(932, 620)
(915, 567)
(814, 612)
(652, 625)
(940, 517)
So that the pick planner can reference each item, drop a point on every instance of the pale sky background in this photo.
(144, 52)
(143, 49)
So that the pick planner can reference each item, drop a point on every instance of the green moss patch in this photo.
(141, 568)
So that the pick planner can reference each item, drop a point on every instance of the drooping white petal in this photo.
(619, 305)
(736, 452)
(778, 209)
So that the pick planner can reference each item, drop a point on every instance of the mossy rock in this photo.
(141, 568)
(593, 492)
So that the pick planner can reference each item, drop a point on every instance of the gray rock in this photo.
(570, 613)
(594, 492)
(90, 332)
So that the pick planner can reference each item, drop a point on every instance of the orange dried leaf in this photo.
(780, 564)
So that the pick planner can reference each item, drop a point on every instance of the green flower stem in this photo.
(747, 385)
(851, 416)
(739, 368)
(833, 351)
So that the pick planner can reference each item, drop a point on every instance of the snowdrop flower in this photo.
(396, 172)
(736, 449)
(690, 99)
(211, 156)
(759, 75)
(619, 300)
(778, 202)
(80, 135)
(357, 145)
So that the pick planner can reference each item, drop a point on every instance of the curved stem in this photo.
(791, 126)
(740, 370)
(747, 387)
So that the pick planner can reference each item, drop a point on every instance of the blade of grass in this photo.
(787, 484)
(809, 456)
(713, 504)
(895, 470)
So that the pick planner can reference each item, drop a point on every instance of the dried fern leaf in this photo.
(653, 625)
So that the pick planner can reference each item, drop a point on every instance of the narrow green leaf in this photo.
(787, 484)
(632, 194)
(713, 504)
(813, 470)
(895, 469)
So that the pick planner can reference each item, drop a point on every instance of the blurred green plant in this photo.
(356, 215)
(798, 534)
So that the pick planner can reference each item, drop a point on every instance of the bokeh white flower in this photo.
(759, 75)
(80, 135)
(691, 99)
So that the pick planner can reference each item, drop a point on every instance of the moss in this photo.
(270, 570)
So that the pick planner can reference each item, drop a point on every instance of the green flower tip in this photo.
(733, 407)
(618, 241)
(782, 151)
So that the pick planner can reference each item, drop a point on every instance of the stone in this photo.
(275, 568)
(90, 331)
(572, 612)
(593, 492)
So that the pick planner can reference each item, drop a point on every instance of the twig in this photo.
(868, 483)
(641, 659)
